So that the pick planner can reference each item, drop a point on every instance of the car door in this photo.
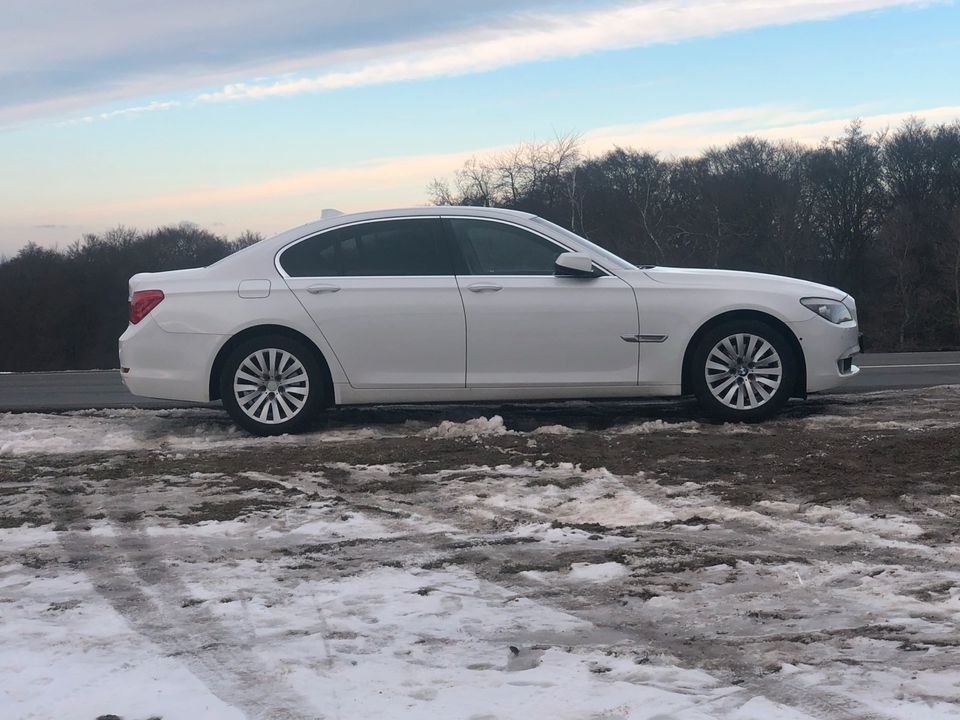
(384, 295)
(528, 327)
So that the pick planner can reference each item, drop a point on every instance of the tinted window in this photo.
(389, 247)
(493, 248)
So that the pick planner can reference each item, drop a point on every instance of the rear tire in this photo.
(743, 371)
(272, 385)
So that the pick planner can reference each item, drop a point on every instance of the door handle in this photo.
(317, 289)
(484, 287)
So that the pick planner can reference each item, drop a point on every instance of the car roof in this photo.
(427, 210)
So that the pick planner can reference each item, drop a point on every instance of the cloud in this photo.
(126, 112)
(136, 49)
(283, 201)
(403, 180)
(140, 49)
(694, 132)
(530, 37)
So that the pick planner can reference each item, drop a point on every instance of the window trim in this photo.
(452, 252)
(453, 248)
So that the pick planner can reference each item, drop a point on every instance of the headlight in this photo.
(832, 310)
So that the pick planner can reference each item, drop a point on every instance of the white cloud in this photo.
(273, 204)
(286, 200)
(694, 132)
(533, 36)
(126, 112)
(193, 46)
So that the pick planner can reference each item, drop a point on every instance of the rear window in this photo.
(387, 247)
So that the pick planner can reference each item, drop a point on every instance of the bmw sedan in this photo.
(472, 304)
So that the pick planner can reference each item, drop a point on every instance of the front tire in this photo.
(271, 385)
(743, 371)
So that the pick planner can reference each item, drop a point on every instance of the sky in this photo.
(257, 114)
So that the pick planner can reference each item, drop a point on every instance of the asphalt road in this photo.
(80, 390)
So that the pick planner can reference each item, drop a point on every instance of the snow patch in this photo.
(656, 426)
(473, 429)
(554, 430)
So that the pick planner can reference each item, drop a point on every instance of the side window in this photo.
(388, 247)
(494, 248)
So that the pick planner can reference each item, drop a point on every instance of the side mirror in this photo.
(572, 264)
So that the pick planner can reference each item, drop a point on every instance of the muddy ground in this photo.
(808, 565)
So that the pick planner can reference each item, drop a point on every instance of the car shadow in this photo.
(578, 414)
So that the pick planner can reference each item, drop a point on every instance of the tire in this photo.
(743, 371)
(272, 385)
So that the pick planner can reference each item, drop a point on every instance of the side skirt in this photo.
(347, 395)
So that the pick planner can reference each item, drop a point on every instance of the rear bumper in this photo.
(829, 352)
(171, 366)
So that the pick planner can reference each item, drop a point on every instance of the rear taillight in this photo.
(142, 302)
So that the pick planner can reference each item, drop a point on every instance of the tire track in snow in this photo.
(132, 576)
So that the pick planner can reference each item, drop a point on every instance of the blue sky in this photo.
(244, 114)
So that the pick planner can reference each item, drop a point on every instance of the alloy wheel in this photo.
(271, 386)
(743, 371)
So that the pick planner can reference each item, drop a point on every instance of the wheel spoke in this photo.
(761, 391)
(261, 400)
(731, 393)
(764, 348)
(295, 367)
(721, 386)
(286, 408)
(294, 402)
(243, 375)
(728, 347)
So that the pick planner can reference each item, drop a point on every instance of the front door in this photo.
(527, 327)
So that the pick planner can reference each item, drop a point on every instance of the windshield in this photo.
(612, 259)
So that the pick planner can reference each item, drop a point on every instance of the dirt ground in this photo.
(808, 566)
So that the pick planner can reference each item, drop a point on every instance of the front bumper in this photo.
(829, 351)
(171, 366)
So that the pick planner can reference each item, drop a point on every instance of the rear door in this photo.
(384, 295)
(528, 327)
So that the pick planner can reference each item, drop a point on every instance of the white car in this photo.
(472, 304)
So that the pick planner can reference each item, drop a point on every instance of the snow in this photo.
(554, 430)
(386, 643)
(656, 426)
(473, 429)
(533, 588)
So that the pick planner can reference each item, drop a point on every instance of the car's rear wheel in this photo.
(271, 385)
(743, 370)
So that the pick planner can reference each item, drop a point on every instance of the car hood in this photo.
(734, 279)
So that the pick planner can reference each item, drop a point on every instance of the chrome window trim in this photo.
(566, 248)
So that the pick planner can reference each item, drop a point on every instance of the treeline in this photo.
(64, 309)
(876, 215)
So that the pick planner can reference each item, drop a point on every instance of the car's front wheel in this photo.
(271, 385)
(743, 371)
